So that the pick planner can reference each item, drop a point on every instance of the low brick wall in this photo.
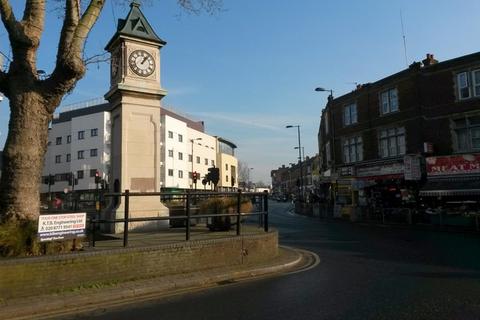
(40, 275)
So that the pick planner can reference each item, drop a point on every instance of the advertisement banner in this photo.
(412, 167)
(52, 227)
(453, 165)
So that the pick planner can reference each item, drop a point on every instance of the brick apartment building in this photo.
(411, 137)
(286, 181)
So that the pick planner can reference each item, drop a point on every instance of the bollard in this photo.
(187, 233)
(125, 223)
(93, 232)
(239, 200)
(265, 209)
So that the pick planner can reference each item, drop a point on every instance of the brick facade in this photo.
(42, 275)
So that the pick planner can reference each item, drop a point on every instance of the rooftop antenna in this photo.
(404, 39)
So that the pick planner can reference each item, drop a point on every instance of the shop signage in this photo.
(412, 167)
(63, 226)
(453, 165)
(347, 171)
(380, 170)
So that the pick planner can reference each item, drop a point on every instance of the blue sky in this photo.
(251, 69)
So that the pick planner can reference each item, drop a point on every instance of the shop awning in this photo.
(450, 187)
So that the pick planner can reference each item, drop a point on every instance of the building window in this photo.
(226, 178)
(80, 174)
(58, 140)
(94, 132)
(93, 172)
(190, 158)
(226, 167)
(69, 139)
(180, 138)
(170, 172)
(58, 159)
(352, 149)
(170, 153)
(328, 155)
(468, 84)
(198, 159)
(476, 82)
(389, 101)
(170, 134)
(213, 163)
(350, 114)
(93, 152)
(467, 134)
(80, 154)
(206, 161)
(81, 135)
(180, 174)
(69, 157)
(180, 156)
(391, 142)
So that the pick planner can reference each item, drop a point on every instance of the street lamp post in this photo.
(303, 152)
(193, 141)
(320, 89)
(249, 180)
(330, 97)
(299, 155)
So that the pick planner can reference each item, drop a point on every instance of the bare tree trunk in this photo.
(23, 157)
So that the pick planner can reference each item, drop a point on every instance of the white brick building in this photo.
(80, 142)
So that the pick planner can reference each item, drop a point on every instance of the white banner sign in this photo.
(53, 227)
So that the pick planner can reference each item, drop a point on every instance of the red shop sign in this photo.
(448, 165)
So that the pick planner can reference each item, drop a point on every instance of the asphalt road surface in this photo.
(366, 272)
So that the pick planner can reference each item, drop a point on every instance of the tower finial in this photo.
(135, 3)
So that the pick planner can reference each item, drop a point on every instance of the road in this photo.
(366, 272)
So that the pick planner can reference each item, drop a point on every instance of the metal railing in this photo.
(187, 197)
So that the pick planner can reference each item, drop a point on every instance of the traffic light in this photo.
(195, 177)
(51, 180)
(97, 177)
(213, 175)
(70, 178)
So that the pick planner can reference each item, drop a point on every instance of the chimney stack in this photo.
(429, 60)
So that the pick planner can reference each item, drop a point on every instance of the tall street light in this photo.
(320, 89)
(331, 121)
(249, 180)
(193, 141)
(303, 152)
(299, 155)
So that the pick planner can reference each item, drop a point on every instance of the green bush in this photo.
(221, 205)
(18, 238)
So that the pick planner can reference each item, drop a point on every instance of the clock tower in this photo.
(135, 94)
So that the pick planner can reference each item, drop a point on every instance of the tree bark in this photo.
(23, 156)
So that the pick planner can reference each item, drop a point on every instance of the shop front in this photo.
(451, 194)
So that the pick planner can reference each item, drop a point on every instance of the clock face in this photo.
(142, 63)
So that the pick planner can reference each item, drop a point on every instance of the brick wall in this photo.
(40, 275)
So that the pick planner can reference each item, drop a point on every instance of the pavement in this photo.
(88, 299)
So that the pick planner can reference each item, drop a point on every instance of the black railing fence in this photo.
(222, 209)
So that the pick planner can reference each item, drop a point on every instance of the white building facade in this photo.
(80, 144)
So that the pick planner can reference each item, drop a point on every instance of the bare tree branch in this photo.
(70, 66)
(70, 23)
(98, 58)
(197, 6)
(34, 14)
(9, 20)
(4, 83)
